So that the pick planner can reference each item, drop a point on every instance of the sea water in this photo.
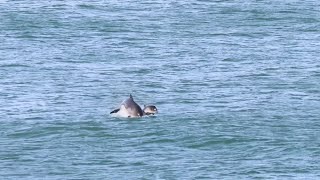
(236, 83)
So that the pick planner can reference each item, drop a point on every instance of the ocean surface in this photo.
(237, 85)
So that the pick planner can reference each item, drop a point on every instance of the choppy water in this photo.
(237, 84)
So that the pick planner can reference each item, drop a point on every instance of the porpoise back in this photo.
(132, 108)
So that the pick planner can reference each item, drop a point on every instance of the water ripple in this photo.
(236, 85)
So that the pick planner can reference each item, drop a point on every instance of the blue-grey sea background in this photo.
(237, 85)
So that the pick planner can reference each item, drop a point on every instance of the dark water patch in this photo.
(37, 132)
(158, 141)
(139, 71)
(235, 84)
(14, 65)
(209, 144)
(87, 6)
(34, 118)
(232, 60)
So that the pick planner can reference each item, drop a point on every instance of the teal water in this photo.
(236, 84)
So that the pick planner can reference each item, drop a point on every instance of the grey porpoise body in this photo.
(150, 110)
(133, 109)
(130, 109)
